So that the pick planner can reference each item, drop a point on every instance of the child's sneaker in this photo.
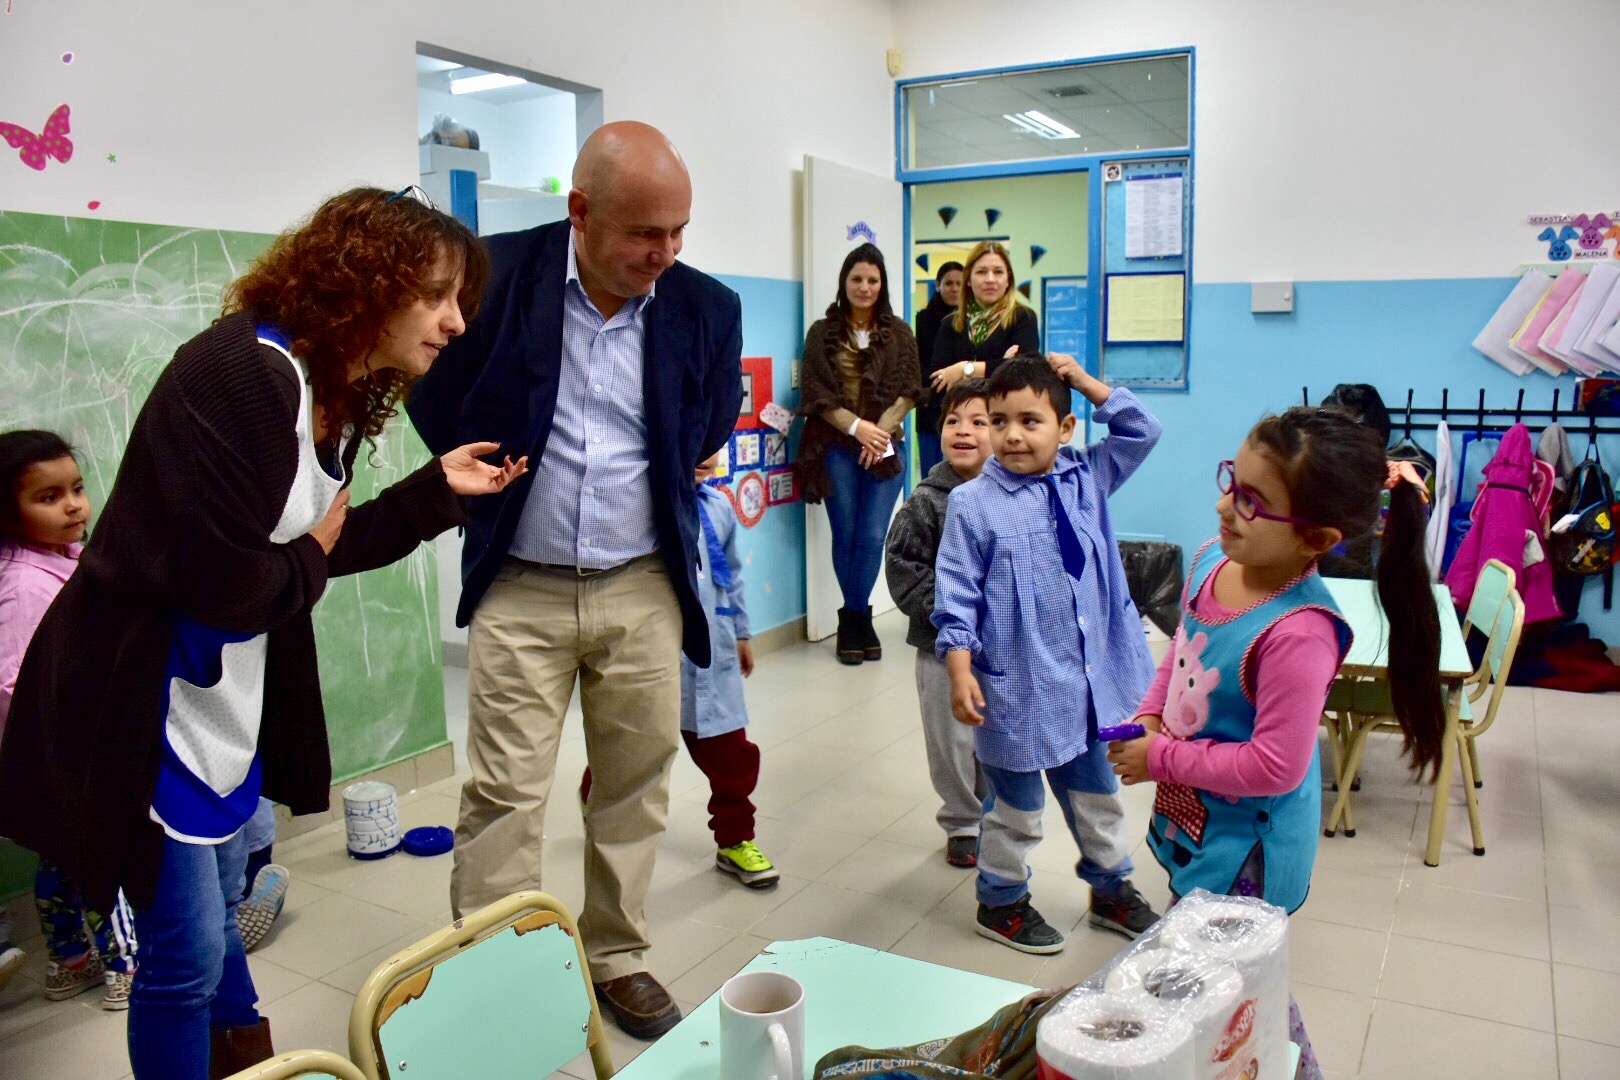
(962, 851)
(258, 911)
(63, 981)
(119, 984)
(1125, 912)
(747, 864)
(12, 960)
(1019, 926)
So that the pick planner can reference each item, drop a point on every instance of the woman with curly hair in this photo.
(174, 679)
(861, 378)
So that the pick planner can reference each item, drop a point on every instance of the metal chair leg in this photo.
(1470, 798)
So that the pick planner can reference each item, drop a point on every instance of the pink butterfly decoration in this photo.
(34, 149)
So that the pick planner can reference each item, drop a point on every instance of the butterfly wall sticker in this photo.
(53, 142)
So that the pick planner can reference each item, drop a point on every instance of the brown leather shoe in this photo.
(642, 1007)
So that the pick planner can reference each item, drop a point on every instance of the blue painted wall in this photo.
(1392, 334)
(773, 550)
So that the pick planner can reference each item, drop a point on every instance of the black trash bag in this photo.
(1362, 402)
(1153, 570)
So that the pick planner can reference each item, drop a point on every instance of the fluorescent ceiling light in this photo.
(474, 83)
(1059, 130)
(1040, 125)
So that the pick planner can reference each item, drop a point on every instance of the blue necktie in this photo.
(1074, 559)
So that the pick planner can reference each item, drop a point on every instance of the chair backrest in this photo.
(501, 992)
(311, 1064)
(1498, 660)
(1490, 590)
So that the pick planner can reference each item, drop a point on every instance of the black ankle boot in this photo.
(851, 650)
(866, 634)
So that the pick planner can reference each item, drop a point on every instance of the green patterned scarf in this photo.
(981, 321)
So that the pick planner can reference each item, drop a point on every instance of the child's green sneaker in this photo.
(747, 864)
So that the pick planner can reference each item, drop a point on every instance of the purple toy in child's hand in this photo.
(1121, 733)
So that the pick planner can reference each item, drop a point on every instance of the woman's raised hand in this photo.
(467, 475)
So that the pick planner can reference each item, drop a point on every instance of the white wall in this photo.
(227, 117)
(1380, 139)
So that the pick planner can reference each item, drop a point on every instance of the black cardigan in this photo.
(953, 345)
(186, 530)
(929, 322)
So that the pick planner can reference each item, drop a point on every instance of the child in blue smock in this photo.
(714, 716)
(1041, 640)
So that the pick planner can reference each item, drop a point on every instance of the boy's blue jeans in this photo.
(858, 510)
(193, 972)
(1088, 793)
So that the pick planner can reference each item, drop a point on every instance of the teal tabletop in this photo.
(852, 995)
(1369, 655)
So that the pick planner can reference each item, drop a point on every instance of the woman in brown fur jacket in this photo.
(861, 378)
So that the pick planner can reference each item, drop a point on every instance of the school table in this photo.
(853, 995)
(1357, 599)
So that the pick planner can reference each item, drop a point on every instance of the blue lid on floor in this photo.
(429, 840)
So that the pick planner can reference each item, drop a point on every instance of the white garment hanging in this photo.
(1445, 493)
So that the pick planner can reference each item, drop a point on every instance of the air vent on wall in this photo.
(1068, 91)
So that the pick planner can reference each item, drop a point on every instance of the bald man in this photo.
(616, 370)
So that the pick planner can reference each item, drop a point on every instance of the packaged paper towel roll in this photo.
(1205, 991)
(1252, 937)
(1123, 1035)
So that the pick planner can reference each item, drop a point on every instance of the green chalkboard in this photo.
(90, 312)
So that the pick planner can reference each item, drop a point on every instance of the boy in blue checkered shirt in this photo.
(1042, 642)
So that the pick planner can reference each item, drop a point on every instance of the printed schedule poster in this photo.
(1153, 217)
(1146, 309)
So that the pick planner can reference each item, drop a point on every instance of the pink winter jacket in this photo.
(1502, 515)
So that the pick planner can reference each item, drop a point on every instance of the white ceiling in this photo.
(1128, 105)
(435, 74)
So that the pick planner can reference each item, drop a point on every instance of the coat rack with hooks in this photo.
(1473, 417)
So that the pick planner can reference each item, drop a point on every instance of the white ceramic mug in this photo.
(762, 1027)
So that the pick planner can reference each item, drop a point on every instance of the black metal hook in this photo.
(1408, 412)
(1481, 428)
(1518, 408)
(1445, 402)
(1555, 405)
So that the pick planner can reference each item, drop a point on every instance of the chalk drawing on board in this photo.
(91, 311)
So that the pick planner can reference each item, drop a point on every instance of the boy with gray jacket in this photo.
(913, 540)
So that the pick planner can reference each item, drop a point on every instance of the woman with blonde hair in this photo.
(991, 321)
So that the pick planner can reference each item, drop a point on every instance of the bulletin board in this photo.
(1147, 254)
(1066, 316)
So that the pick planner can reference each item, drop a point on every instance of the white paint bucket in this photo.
(371, 816)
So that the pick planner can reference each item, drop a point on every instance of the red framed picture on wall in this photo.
(757, 391)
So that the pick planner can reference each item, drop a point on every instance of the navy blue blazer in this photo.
(498, 383)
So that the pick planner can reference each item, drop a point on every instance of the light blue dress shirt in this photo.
(591, 502)
(1055, 657)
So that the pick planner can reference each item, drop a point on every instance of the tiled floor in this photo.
(1502, 966)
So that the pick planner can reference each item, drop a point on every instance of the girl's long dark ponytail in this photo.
(1414, 629)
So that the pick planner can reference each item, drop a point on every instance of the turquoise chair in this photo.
(502, 992)
(1358, 708)
(310, 1064)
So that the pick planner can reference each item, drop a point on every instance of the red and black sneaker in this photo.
(1126, 912)
(1019, 926)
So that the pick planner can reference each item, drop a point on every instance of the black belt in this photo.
(581, 573)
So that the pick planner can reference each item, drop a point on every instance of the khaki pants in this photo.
(532, 633)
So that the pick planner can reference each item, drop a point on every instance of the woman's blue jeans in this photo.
(858, 510)
(193, 972)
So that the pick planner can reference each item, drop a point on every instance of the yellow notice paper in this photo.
(1146, 307)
